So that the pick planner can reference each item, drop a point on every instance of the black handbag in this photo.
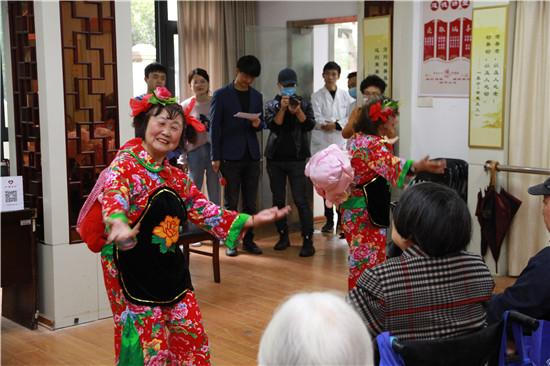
(378, 196)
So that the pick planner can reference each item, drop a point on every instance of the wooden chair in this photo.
(192, 234)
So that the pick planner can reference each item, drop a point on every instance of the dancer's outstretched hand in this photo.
(430, 166)
(267, 216)
(122, 234)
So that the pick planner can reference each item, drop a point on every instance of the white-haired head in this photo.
(317, 328)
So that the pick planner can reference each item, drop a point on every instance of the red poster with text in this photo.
(466, 37)
(429, 36)
(441, 46)
(454, 39)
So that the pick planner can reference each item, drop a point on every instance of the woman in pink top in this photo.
(198, 152)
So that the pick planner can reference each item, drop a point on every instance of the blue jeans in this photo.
(199, 163)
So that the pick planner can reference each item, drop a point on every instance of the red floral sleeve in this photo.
(116, 192)
(224, 224)
(371, 152)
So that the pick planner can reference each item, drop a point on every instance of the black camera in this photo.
(294, 101)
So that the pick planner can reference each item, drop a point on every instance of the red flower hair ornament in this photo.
(162, 95)
(379, 111)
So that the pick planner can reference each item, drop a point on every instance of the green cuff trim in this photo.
(146, 165)
(119, 215)
(354, 202)
(235, 230)
(107, 250)
(404, 172)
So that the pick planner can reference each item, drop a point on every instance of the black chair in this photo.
(192, 234)
(475, 349)
(455, 177)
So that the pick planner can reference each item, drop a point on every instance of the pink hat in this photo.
(331, 173)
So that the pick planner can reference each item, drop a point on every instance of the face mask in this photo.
(288, 91)
(353, 92)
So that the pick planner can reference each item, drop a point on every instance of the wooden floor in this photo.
(235, 311)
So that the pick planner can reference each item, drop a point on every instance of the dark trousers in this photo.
(278, 172)
(329, 213)
(242, 177)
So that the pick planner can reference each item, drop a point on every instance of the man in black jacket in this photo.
(290, 120)
(531, 292)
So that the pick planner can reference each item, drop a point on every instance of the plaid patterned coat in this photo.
(418, 297)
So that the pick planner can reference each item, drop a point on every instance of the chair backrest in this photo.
(455, 177)
(484, 347)
(474, 349)
(531, 338)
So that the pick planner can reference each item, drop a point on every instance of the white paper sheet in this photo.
(249, 116)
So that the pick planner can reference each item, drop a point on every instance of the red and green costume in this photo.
(157, 319)
(371, 156)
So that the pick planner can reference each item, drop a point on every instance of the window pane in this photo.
(173, 10)
(176, 66)
(345, 50)
(143, 41)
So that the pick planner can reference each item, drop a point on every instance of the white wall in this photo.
(277, 13)
(439, 126)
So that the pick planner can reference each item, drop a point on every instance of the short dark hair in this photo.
(250, 65)
(364, 123)
(198, 71)
(352, 74)
(174, 110)
(373, 80)
(434, 217)
(155, 67)
(331, 65)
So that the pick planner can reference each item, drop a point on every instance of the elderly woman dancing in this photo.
(145, 202)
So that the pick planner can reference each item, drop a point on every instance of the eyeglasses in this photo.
(393, 205)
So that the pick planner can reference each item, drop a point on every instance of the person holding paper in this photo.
(331, 107)
(235, 146)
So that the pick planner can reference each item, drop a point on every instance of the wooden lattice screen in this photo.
(91, 107)
(26, 111)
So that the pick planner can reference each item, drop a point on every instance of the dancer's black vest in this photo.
(147, 275)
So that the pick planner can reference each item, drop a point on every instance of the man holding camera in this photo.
(290, 120)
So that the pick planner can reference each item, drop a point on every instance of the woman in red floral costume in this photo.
(144, 202)
(371, 154)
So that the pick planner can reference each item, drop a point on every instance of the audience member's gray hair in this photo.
(317, 328)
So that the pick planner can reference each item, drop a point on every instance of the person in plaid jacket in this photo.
(435, 289)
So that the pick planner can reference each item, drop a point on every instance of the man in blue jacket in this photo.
(531, 292)
(235, 147)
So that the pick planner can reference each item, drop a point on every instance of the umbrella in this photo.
(495, 212)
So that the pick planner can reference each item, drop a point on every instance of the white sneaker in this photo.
(197, 244)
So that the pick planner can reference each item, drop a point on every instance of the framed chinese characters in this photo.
(378, 51)
(447, 36)
(487, 86)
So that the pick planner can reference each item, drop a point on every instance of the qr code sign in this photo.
(10, 196)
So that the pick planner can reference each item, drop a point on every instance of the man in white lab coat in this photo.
(331, 108)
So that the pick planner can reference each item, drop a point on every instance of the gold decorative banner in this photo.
(378, 51)
(487, 77)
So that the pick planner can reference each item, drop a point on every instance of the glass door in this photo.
(278, 48)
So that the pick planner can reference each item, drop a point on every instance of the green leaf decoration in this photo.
(160, 241)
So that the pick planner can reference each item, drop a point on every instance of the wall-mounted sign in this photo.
(378, 51)
(488, 77)
(447, 37)
(12, 193)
